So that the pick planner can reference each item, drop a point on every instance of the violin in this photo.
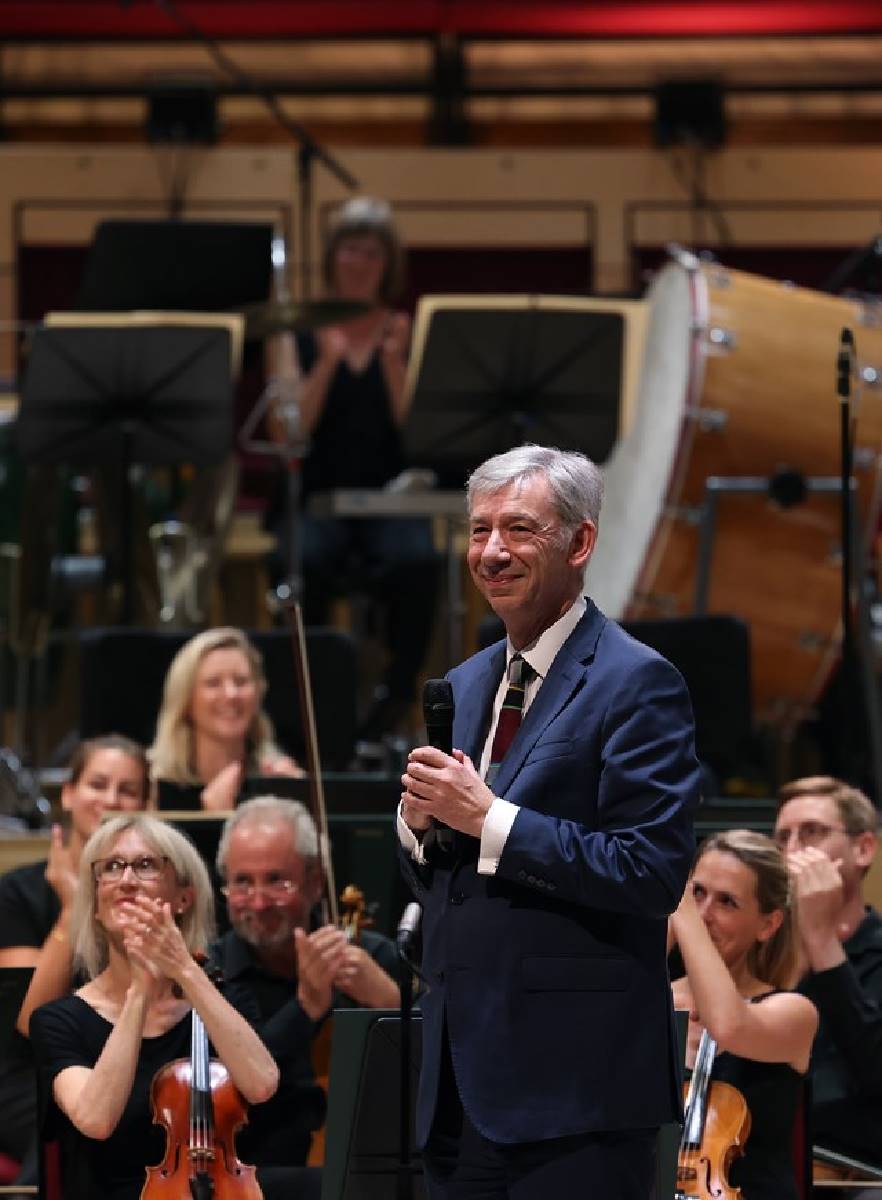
(352, 919)
(715, 1129)
(200, 1109)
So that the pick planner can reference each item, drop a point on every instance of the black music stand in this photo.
(488, 373)
(183, 266)
(362, 1134)
(114, 395)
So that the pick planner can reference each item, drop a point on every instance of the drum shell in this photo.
(754, 366)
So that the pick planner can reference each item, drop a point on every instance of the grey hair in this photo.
(575, 482)
(271, 810)
(196, 923)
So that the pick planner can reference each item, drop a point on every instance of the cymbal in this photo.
(282, 316)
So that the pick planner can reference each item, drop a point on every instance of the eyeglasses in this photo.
(810, 833)
(276, 890)
(147, 868)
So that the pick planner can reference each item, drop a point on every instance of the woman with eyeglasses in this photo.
(106, 774)
(143, 907)
(735, 932)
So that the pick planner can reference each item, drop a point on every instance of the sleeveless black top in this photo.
(773, 1092)
(355, 442)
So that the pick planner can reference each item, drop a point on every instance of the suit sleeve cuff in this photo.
(494, 834)
(415, 847)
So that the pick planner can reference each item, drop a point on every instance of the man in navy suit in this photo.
(549, 1056)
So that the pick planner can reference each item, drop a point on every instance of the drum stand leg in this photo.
(864, 675)
(734, 485)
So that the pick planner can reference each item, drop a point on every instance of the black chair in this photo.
(122, 672)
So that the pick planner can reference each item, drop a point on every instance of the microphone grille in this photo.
(437, 693)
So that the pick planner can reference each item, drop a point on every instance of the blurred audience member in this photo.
(827, 829)
(211, 731)
(352, 404)
(283, 974)
(107, 774)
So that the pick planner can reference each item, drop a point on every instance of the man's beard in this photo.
(261, 938)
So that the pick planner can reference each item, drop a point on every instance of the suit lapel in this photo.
(474, 707)
(567, 675)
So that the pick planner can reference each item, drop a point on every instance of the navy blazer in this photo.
(551, 974)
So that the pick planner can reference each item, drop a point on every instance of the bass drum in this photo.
(738, 380)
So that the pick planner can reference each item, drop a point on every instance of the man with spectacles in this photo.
(828, 830)
(283, 974)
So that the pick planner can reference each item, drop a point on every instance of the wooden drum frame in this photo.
(739, 380)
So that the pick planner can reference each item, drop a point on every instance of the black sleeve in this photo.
(58, 1039)
(288, 1033)
(853, 1020)
(26, 911)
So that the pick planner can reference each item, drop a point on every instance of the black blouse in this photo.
(70, 1033)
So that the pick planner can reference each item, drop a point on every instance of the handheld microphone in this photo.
(408, 926)
(438, 715)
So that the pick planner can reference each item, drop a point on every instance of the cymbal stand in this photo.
(309, 149)
(281, 400)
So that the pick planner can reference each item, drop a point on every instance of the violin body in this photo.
(703, 1171)
(202, 1165)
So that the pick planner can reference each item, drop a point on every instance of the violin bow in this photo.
(294, 617)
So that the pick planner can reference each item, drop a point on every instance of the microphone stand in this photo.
(405, 1169)
(309, 148)
(308, 152)
(858, 677)
(850, 266)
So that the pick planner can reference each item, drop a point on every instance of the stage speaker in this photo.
(690, 112)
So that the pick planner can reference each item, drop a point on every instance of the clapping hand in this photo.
(220, 795)
(154, 945)
(320, 957)
(818, 889)
(61, 874)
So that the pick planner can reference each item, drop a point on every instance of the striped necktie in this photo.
(519, 673)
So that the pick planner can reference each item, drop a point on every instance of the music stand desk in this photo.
(487, 373)
(234, 323)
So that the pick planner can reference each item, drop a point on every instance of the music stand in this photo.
(490, 372)
(188, 266)
(110, 392)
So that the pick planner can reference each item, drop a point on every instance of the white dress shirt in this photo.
(500, 817)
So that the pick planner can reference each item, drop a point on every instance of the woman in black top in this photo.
(106, 774)
(349, 387)
(735, 931)
(143, 906)
(212, 730)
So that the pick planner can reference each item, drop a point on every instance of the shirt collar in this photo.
(541, 653)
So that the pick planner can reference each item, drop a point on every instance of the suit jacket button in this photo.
(522, 874)
(531, 879)
(552, 887)
(457, 897)
(541, 883)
